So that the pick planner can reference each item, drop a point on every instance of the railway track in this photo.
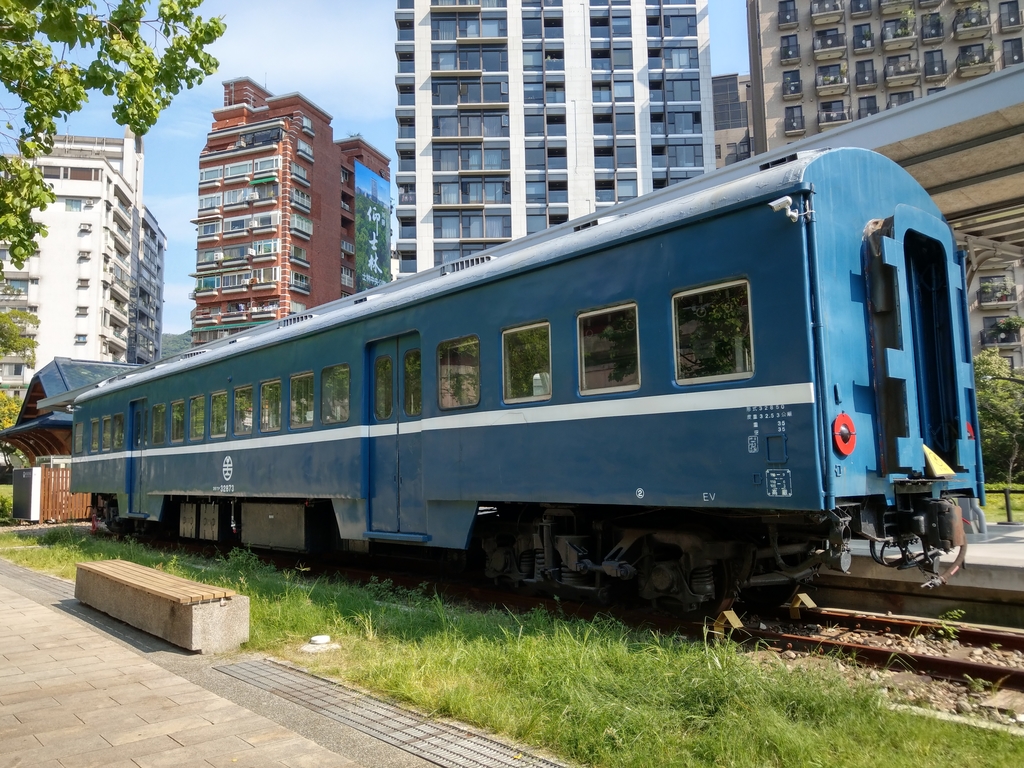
(953, 651)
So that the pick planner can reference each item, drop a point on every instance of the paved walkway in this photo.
(70, 697)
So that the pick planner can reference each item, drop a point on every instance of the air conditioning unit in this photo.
(91, 202)
(254, 195)
(250, 252)
(218, 256)
(254, 223)
(85, 227)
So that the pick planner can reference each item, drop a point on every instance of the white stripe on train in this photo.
(682, 402)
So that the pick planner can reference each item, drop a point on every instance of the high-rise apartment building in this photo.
(731, 94)
(824, 63)
(96, 283)
(514, 115)
(147, 292)
(276, 226)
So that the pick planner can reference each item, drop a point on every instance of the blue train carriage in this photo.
(700, 393)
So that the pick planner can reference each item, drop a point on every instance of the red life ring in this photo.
(844, 434)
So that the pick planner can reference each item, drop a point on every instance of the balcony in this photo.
(788, 54)
(895, 38)
(831, 85)
(860, 8)
(827, 11)
(866, 81)
(118, 311)
(995, 296)
(866, 112)
(788, 17)
(204, 317)
(268, 312)
(794, 126)
(829, 47)
(935, 70)
(407, 198)
(993, 337)
(929, 3)
(792, 89)
(116, 339)
(864, 43)
(889, 7)
(1010, 21)
(933, 32)
(974, 64)
(970, 24)
(831, 118)
(902, 73)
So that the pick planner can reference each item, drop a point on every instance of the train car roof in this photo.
(698, 198)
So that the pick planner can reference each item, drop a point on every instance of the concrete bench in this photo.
(188, 614)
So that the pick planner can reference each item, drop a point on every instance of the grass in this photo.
(593, 692)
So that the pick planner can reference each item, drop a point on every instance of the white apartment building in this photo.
(96, 282)
(820, 64)
(515, 115)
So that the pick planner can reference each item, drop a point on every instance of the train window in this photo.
(334, 394)
(243, 411)
(159, 423)
(383, 387)
(458, 372)
(94, 435)
(178, 421)
(412, 383)
(713, 334)
(118, 429)
(609, 342)
(79, 438)
(106, 433)
(219, 414)
(527, 361)
(270, 406)
(196, 417)
(301, 391)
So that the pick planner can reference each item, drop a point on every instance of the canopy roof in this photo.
(41, 432)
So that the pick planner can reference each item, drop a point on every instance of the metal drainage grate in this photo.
(436, 742)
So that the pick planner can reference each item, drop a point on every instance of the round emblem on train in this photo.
(227, 468)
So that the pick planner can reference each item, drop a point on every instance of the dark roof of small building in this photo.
(48, 433)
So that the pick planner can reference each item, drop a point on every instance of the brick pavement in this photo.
(70, 697)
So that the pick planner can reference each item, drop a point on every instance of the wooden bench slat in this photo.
(183, 591)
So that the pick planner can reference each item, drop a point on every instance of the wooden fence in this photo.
(56, 502)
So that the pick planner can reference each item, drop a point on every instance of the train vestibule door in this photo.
(395, 460)
(133, 462)
(921, 358)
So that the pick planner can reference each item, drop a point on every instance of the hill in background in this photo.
(173, 343)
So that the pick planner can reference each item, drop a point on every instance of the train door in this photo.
(137, 437)
(395, 404)
(923, 376)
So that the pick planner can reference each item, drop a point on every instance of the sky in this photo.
(340, 55)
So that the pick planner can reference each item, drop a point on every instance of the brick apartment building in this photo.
(276, 220)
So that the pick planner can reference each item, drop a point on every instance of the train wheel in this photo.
(725, 582)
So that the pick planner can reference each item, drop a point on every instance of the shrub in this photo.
(6, 504)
